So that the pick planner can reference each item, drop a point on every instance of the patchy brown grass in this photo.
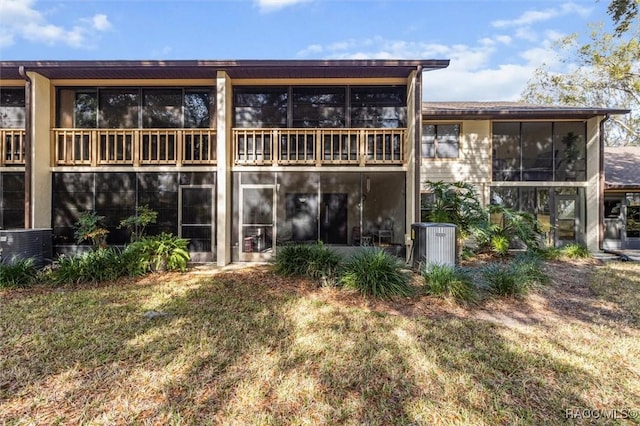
(249, 347)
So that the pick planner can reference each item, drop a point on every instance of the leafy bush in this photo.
(375, 273)
(18, 273)
(137, 223)
(99, 265)
(500, 245)
(449, 282)
(509, 227)
(159, 252)
(89, 227)
(311, 260)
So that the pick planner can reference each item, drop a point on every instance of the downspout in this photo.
(601, 186)
(417, 119)
(27, 148)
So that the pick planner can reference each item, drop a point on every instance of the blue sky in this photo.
(494, 46)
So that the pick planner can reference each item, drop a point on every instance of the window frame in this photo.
(559, 153)
(436, 141)
(68, 105)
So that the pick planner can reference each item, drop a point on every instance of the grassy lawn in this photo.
(249, 347)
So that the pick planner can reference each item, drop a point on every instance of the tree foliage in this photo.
(623, 13)
(604, 72)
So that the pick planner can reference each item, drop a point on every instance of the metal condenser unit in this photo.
(433, 243)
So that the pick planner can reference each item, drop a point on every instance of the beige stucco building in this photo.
(241, 156)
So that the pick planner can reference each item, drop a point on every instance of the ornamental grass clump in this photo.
(375, 273)
(503, 280)
(517, 278)
(17, 273)
(307, 260)
(449, 282)
(103, 264)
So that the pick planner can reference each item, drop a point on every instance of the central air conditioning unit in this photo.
(36, 244)
(433, 243)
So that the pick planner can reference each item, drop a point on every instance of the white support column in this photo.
(224, 153)
(413, 130)
(41, 108)
(593, 200)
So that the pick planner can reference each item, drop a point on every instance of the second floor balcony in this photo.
(319, 146)
(12, 147)
(133, 147)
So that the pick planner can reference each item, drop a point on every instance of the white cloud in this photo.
(272, 5)
(472, 75)
(101, 22)
(534, 16)
(20, 19)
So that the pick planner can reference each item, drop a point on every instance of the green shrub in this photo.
(503, 280)
(136, 224)
(375, 273)
(500, 245)
(89, 227)
(575, 251)
(311, 260)
(103, 264)
(524, 273)
(18, 273)
(449, 282)
(530, 266)
(164, 252)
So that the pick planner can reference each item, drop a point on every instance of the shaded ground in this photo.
(249, 347)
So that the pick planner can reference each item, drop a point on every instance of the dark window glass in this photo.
(427, 200)
(159, 191)
(72, 194)
(197, 104)
(162, 108)
(12, 113)
(378, 107)
(115, 199)
(440, 140)
(261, 107)
(570, 147)
(85, 110)
(12, 200)
(119, 108)
(537, 152)
(318, 106)
(506, 151)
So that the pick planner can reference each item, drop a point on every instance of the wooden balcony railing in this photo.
(134, 147)
(319, 146)
(12, 148)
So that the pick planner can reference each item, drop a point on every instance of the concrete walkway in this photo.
(616, 255)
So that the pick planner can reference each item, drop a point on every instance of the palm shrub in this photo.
(457, 203)
(17, 273)
(507, 227)
(500, 245)
(159, 252)
(312, 260)
(375, 273)
(448, 282)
